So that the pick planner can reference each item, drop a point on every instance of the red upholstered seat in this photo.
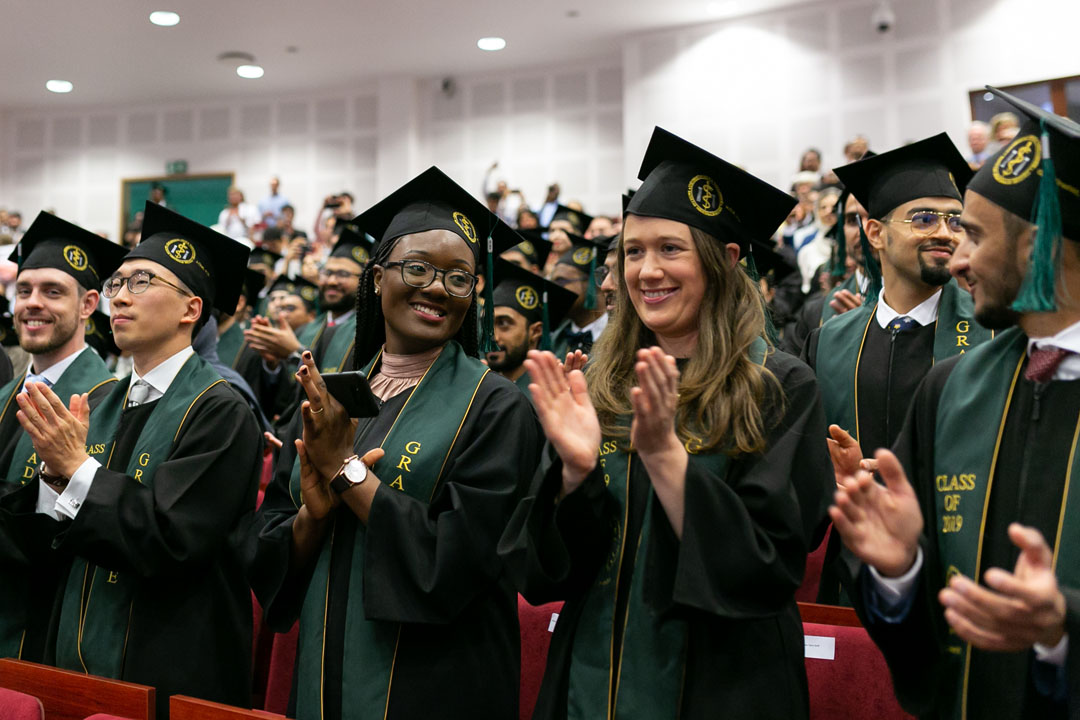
(279, 679)
(15, 705)
(815, 561)
(855, 684)
(105, 716)
(262, 639)
(536, 628)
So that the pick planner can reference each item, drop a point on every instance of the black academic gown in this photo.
(805, 320)
(7, 371)
(190, 628)
(429, 567)
(732, 577)
(1027, 488)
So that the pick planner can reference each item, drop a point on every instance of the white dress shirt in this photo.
(595, 327)
(925, 313)
(54, 371)
(67, 503)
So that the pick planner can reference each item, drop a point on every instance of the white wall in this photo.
(760, 90)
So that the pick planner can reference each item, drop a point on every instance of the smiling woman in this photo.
(388, 560)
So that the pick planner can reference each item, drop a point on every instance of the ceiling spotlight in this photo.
(491, 43)
(988, 96)
(59, 86)
(250, 72)
(164, 18)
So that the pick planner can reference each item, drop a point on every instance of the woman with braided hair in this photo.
(382, 539)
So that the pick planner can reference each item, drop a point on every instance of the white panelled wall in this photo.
(756, 90)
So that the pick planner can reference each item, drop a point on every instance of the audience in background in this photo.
(239, 218)
(979, 142)
(270, 207)
(1004, 127)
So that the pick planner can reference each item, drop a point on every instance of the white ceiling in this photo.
(113, 55)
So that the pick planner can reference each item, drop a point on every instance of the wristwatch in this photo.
(352, 473)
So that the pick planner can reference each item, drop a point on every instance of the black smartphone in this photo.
(351, 389)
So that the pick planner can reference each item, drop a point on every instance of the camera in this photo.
(883, 18)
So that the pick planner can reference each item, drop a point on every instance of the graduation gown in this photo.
(419, 593)
(1028, 486)
(187, 629)
(726, 589)
(7, 371)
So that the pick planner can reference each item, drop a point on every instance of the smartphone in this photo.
(351, 389)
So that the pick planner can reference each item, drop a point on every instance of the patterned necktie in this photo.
(137, 394)
(1043, 363)
(32, 378)
(903, 323)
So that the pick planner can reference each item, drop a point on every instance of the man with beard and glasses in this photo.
(526, 306)
(607, 277)
(870, 360)
(968, 577)
(61, 267)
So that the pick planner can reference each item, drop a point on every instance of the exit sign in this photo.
(176, 167)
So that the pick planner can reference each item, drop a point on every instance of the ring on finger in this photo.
(316, 412)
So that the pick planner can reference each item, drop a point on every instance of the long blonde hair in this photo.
(722, 390)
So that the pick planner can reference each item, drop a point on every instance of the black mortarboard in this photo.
(687, 184)
(610, 241)
(1026, 179)
(531, 295)
(432, 201)
(51, 242)
(209, 263)
(626, 198)
(767, 260)
(99, 335)
(584, 254)
(302, 288)
(578, 219)
(928, 168)
(353, 245)
(535, 247)
(262, 256)
(254, 282)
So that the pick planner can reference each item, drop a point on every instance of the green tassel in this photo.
(750, 266)
(1037, 292)
(590, 290)
(487, 334)
(873, 268)
(545, 335)
(839, 267)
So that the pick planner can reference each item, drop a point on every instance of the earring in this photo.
(377, 289)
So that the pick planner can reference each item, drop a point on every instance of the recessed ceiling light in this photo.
(988, 96)
(250, 72)
(164, 18)
(59, 86)
(491, 43)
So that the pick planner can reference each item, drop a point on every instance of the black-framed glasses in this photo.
(137, 284)
(925, 222)
(600, 274)
(420, 274)
(339, 274)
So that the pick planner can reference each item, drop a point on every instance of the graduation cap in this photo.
(51, 242)
(262, 256)
(254, 282)
(928, 168)
(584, 255)
(432, 201)
(307, 291)
(1023, 179)
(687, 184)
(534, 297)
(626, 197)
(353, 245)
(535, 247)
(579, 220)
(99, 335)
(209, 263)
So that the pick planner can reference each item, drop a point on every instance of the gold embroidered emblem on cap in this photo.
(359, 254)
(180, 250)
(75, 257)
(308, 293)
(466, 227)
(526, 297)
(90, 327)
(526, 247)
(582, 256)
(1018, 161)
(705, 195)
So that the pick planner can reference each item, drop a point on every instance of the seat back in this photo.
(537, 624)
(68, 695)
(15, 705)
(182, 707)
(279, 677)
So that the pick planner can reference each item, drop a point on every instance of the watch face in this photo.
(355, 472)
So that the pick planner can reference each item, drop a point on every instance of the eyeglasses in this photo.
(339, 274)
(137, 284)
(600, 274)
(420, 274)
(925, 222)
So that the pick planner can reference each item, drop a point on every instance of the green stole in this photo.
(840, 345)
(523, 385)
(851, 285)
(652, 657)
(976, 394)
(310, 333)
(230, 345)
(417, 447)
(92, 636)
(85, 375)
(340, 346)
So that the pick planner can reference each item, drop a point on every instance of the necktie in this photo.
(137, 394)
(1043, 363)
(578, 341)
(32, 378)
(903, 324)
